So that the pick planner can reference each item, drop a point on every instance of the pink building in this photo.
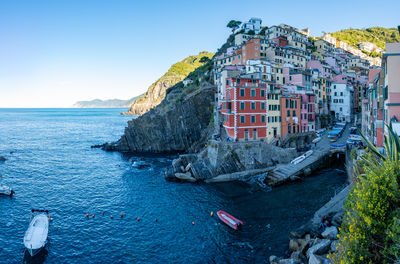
(391, 94)
(324, 69)
(307, 112)
(297, 77)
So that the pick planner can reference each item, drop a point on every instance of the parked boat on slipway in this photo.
(35, 238)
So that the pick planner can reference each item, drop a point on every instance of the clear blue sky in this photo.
(55, 52)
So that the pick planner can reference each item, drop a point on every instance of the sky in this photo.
(56, 52)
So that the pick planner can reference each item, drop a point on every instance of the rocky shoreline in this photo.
(312, 244)
(225, 161)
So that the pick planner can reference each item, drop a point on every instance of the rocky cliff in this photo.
(182, 122)
(176, 73)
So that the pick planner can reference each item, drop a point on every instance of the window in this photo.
(341, 93)
(262, 105)
(227, 82)
(241, 92)
(238, 81)
(263, 118)
(242, 106)
(227, 118)
(289, 129)
(294, 113)
(287, 103)
(242, 119)
(253, 119)
(288, 112)
(253, 92)
(253, 106)
(262, 93)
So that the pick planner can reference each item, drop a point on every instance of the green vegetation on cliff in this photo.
(176, 73)
(370, 231)
(377, 35)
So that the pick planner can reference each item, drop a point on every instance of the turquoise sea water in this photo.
(51, 166)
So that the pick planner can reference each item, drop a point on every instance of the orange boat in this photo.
(229, 220)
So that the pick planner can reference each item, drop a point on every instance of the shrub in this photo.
(353, 154)
(368, 218)
(370, 231)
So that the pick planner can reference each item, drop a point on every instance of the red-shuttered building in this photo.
(290, 113)
(245, 109)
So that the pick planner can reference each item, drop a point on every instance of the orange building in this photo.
(290, 113)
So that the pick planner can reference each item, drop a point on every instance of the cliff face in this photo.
(177, 125)
(153, 97)
(176, 73)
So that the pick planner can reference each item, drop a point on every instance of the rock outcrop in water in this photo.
(226, 161)
(311, 243)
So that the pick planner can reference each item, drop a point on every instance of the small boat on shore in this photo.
(229, 220)
(5, 190)
(35, 238)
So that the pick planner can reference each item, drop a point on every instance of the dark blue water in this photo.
(51, 166)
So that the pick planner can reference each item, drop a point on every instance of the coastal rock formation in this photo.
(224, 161)
(179, 124)
(311, 243)
(2, 159)
(158, 90)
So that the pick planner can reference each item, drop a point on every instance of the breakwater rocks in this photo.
(311, 243)
(177, 126)
(226, 161)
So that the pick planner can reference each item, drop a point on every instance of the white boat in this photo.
(298, 160)
(5, 190)
(356, 137)
(36, 236)
(316, 140)
(308, 154)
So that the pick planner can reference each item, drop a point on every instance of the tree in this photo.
(262, 32)
(204, 59)
(234, 24)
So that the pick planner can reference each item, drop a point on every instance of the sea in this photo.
(51, 165)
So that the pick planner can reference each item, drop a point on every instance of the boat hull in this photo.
(35, 238)
(229, 220)
(5, 190)
(34, 252)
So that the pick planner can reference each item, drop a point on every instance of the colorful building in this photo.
(391, 66)
(245, 109)
(290, 113)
